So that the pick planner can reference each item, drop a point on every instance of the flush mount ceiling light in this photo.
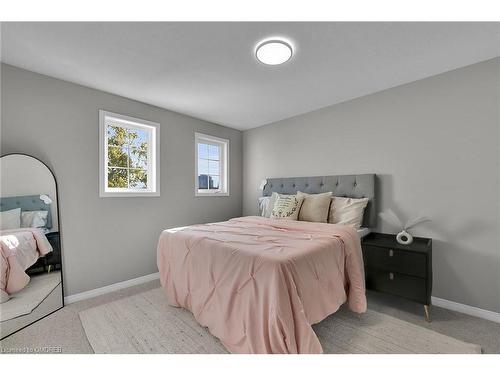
(273, 51)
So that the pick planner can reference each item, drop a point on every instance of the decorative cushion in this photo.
(287, 207)
(315, 207)
(10, 219)
(34, 219)
(347, 211)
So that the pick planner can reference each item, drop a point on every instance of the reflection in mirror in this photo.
(30, 274)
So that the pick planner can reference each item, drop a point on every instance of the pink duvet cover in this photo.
(20, 249)
(259, 284)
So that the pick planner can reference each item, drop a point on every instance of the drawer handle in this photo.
(391, 276)
(391, 253)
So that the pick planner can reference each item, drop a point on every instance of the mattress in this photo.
(362, 232)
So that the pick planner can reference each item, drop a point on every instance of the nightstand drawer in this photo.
(400, 261)
(410, 287)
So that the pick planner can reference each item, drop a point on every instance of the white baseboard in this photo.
(110, 288)
(466, 309)
(440, 302)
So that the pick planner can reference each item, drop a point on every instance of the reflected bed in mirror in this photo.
(31, 267)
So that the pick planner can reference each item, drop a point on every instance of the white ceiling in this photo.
(208, 70)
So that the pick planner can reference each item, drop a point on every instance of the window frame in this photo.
(153, 169)
(223, 165)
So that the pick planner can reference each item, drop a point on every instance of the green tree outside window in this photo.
(127, 157)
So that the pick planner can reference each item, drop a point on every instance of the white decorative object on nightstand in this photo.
(403, 237)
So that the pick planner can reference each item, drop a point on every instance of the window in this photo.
(211, 155)
(129, 156)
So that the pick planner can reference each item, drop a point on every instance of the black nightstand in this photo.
(53, 259)
(402, 270)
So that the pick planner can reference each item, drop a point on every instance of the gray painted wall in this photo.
(107, 240)
(23, 175)
(434, 144)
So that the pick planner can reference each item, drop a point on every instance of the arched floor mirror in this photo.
(31, 284)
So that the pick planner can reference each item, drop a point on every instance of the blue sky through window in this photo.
(208, 166)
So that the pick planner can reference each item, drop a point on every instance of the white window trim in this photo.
(224, 177)
(153, 162)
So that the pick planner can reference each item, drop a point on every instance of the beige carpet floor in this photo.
(25, 301)
(145, 323)
(63, 329)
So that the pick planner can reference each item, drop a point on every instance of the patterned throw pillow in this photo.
(287, 207)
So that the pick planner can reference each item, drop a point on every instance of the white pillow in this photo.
(34, 219)
(347, 211)
(287, 207)
(10, 219)
(266, 205)
(263, 203)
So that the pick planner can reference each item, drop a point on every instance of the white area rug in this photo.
(28, 299)
(145, 323)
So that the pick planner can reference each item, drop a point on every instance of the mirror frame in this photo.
(60, 238)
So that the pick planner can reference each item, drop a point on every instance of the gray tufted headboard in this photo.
(354, 186)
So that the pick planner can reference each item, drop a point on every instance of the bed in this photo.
(21, 248)
(259, 284)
